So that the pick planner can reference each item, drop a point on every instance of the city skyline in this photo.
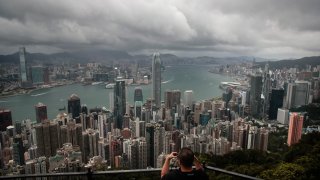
(209, 28)
(138, 135)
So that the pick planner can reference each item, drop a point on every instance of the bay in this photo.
(204, 84)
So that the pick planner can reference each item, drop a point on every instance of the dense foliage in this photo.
(300, 161)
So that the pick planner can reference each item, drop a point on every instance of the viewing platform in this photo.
(153, 173)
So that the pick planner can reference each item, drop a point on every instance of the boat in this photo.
(62, 109)
(96, 83)
(225, 85)
(110, 86)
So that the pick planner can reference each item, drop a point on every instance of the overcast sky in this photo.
(263, 28)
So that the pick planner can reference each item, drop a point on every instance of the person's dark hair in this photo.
(186, 157)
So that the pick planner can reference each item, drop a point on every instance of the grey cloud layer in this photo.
(273, 28)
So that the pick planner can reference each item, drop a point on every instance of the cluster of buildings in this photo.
(36, 74)
(139, 136)
(273, 95)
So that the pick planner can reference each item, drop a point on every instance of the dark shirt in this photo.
(177, 174)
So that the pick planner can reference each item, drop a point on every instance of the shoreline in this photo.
(29, 91)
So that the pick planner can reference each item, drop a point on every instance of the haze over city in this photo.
(270, 29)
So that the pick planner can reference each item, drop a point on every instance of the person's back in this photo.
(185, 159)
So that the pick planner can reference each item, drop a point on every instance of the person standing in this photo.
(185, 159)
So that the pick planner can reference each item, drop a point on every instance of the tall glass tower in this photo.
(255, 95)
(74, 106)
(23, 67)
(156, 80)
(119, 103)
(138, 94)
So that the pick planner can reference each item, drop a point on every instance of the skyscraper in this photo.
(142, 154)
(41, 112)
(39, 139)
(138, 109)
(138, 94)
(172, 98)
(298, 94)
(276, 101)
(18, 150)
(150, 130)
(156, 80)
(37, 75)
(23, 67)
(119, 103)
(295, 128)
(54, 137)
(74, 106)
(283, 116)
(188, 97)
(266, 86)
(255, 95)
(5, 119)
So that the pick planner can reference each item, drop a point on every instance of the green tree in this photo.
(285, 171)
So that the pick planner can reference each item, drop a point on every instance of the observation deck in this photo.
(134, 174)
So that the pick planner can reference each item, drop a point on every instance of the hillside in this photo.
(299, 63)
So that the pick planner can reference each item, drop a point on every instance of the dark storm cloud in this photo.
(273, 28)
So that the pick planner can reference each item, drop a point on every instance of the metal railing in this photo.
(119, 174)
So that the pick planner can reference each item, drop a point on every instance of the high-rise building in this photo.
(142, 154)
(133, 153)
(262, 139)
(102, 120)
(138, 109)
(276, 101)
(298, 94)
(156, 80)
(119, 103)
(188, 98)
(255, 95)
(85, 148)
(37, 75)
(46, 138)
(266, 86)
(295, 128)
(243, 97)
(23, 67)
(18, 150)
(172, 98)
(39, 140)
(41, 112)
(283, 116)
(54, 137)
(5, 119)
(138, 96)
(115, 150)
(150, 133)
(74, 106)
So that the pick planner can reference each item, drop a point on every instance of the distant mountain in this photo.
(12, 58)
(113, 56)
(299, 63)
(66, 57)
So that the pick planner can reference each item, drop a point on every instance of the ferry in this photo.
(110, 86)
(225, 85)
(96, 83)
(62, 109)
